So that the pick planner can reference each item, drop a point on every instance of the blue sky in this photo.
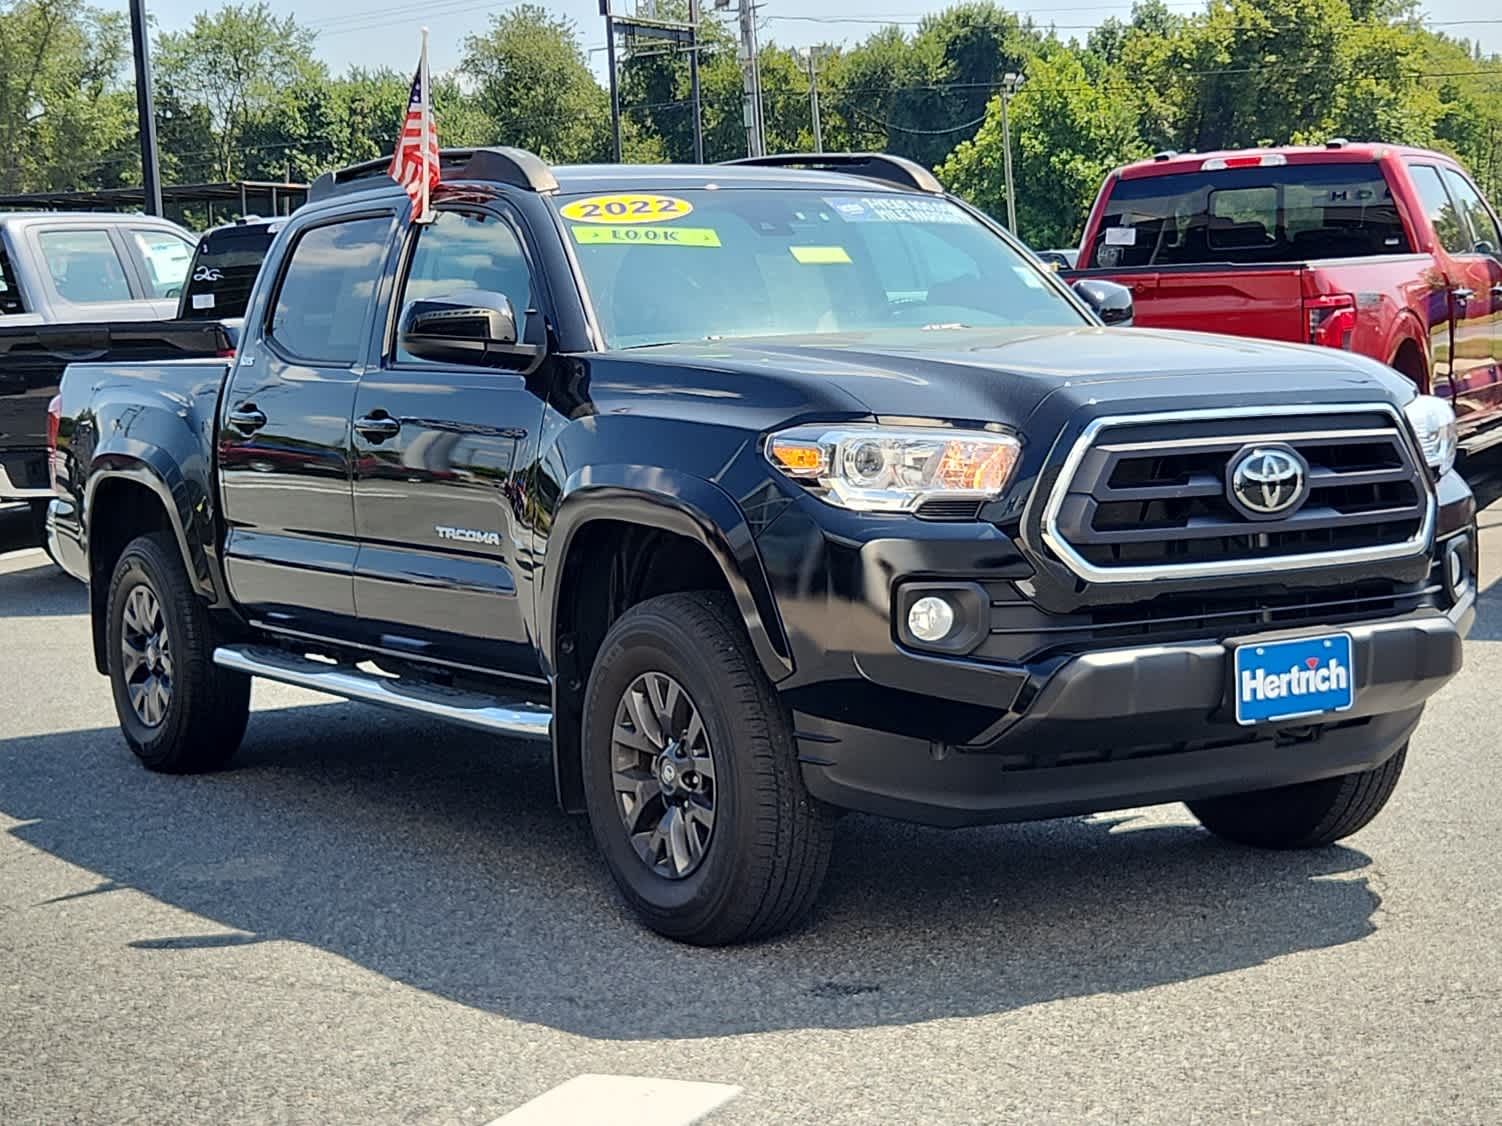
(385, 32)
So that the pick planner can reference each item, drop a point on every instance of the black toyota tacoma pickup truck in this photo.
(760, 491)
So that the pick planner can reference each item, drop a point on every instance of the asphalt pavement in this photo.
(370, 919)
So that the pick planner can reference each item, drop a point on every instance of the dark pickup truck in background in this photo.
(33, 354)
(754, 491)
(1385, 251)
(32, 360)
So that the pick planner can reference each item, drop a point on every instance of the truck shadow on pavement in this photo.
(438, 859)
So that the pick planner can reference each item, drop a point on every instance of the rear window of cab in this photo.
(706, 264)
(1268, 213)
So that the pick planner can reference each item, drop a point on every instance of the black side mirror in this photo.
(1110, 302)
(1485, 247)
(473, 326)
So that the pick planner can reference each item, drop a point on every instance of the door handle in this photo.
(378, 427)
(1497, 290)
(1462, 294)
(247, 419)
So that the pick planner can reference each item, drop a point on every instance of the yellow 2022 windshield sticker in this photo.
(646, 236)
(630, 207)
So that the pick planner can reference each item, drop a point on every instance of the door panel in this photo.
(1482, 336)
(434, 514)
(438, 464)
(284, 438)
(1461, 342)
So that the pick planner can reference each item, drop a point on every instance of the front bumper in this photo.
(1136, 726)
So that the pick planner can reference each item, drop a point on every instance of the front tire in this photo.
(1307, 815)
(179, 711)
(691, 777)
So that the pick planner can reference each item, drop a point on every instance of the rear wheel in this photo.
(691, 779)
(1307, 815)
(178, 710)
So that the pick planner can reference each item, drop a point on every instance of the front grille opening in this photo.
(1140, 502)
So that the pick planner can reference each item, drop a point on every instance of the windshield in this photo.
(706, 264)
(1274, 213)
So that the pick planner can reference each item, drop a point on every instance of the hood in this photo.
(992, 375)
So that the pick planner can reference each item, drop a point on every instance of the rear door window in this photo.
(327, 291)
(1448, 225)
(224, 271)
(84, 266)
(1473, 207)
(166, 257)
(1276, 213)
(10, 292)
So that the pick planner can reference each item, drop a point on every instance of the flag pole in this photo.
(425, 214)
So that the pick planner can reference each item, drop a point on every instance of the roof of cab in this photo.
(574, 178)
(1335, 151)
(485, 168)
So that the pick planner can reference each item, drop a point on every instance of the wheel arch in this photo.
(626, 517)
(1408, 353)
(127, 499)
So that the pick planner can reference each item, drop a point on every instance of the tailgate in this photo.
(1261, 301)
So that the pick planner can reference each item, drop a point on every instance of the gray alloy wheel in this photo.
(146, 655)
(663, 772)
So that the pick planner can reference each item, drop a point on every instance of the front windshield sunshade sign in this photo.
(628, 207)
(646, 236)
(895, 209)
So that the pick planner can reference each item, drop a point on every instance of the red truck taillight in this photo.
(1332, 320)
(54, 421)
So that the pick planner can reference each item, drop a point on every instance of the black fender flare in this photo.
(672, 502)
(179, 516)
(175, 503)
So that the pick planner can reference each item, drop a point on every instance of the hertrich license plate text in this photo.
(1287, 679)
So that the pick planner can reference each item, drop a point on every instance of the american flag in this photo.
(414, 165)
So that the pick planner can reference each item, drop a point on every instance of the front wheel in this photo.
(1306, 815)
(691, 777)
(179, 711)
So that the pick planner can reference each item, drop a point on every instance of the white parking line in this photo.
(621, 1100)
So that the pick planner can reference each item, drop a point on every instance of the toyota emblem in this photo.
(1266, 482)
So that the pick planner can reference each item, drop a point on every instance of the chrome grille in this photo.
(1145, 497)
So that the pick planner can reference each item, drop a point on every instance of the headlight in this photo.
(894, 469)
(1433, 421)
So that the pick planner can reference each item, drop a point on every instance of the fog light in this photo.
(930, 619)
(1458, 569)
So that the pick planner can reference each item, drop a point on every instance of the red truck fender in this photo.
(1407, 350)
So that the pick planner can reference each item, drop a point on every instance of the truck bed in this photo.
(32, 360)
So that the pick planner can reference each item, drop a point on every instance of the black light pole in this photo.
(145, 110)
(693, 79)
(615, 93)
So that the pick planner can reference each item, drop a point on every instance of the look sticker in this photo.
(631, 207)
(646, 236)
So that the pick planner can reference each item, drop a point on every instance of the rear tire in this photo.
(1308, 815)
(179, 711)
(757, 846)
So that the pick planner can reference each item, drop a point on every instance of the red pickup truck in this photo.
(1387, 251)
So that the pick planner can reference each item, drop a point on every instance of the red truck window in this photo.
(1279, 213)
(1448, 227)
(1473, 208)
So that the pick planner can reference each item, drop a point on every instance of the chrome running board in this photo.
(517, 718)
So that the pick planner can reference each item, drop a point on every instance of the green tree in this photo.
(533, 84)
(238, 63)
(1068, 131)
(59, 109)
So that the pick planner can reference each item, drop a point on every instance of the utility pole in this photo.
(813, 97)
(693, 80)
(151, 185)
(615, 90)
(756, 143)
(1009, 84)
